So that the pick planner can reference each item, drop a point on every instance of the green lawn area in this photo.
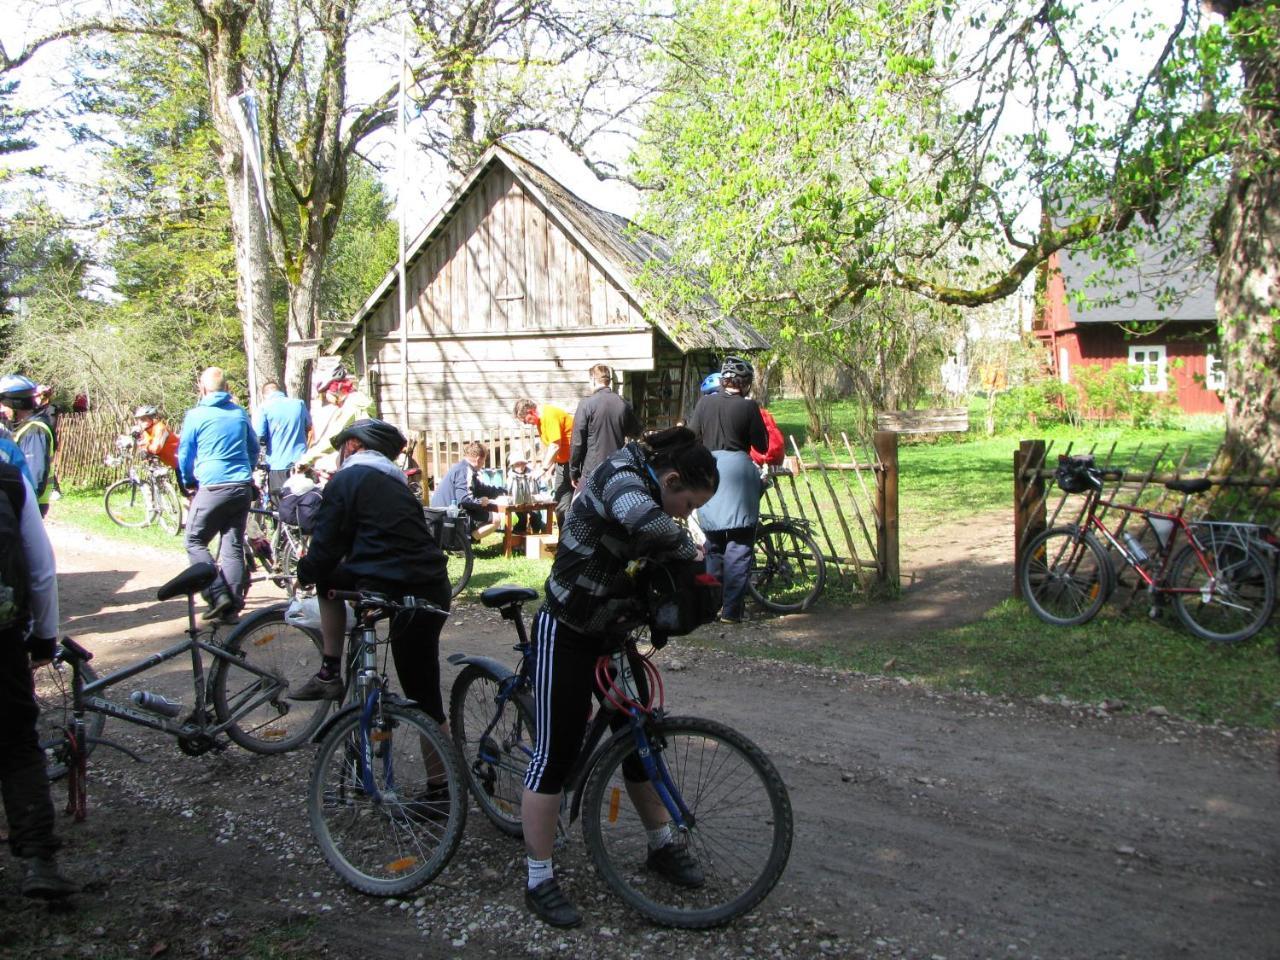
(1119, 656)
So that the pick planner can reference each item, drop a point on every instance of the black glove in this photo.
(41, 648)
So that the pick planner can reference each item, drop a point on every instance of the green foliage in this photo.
(363, 249)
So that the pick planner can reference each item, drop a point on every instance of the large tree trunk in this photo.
(224, 28)
(1248, 239)
(304, 322)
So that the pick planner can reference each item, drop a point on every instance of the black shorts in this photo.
(415, 635)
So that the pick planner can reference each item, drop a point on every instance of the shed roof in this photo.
(622, 250)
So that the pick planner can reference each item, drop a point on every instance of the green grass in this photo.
(84, 509)
(1120, 655)
(491, 569)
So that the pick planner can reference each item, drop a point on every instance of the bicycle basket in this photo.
(1072, 474)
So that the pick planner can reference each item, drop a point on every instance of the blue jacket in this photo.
(10, 452)
(218, 443)
(283, 424)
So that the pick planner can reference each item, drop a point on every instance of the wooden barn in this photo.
(515, 288)
(1157, 319)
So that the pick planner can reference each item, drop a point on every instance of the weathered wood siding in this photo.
(503, 303)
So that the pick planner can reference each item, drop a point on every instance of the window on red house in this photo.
(1155, 369)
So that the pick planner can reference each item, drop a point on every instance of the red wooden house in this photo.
(1155, 319)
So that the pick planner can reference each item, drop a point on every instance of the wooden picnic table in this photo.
(508, 512)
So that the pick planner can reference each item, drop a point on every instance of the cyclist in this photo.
(344, 404)
(283, 426)
(152, 434)
(730, 424)
(624, 510)
(218, 450)
(31, 433)
(370, 534)
(555, 429)
(601, 425)
(28, 626)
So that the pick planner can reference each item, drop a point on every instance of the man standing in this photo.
(31, 433)
(217, 451)
(601, 425)
(28, 628)
(284, 428)
(555, 429)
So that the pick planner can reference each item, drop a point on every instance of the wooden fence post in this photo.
(1028, 500)
(886, 443)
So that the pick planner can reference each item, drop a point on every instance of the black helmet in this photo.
(146, 411)
(376, 435)
(737, 369)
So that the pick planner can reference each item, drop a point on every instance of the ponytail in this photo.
(678, 449)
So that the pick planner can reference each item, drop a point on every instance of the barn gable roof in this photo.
(1148, 290)
(622, 250)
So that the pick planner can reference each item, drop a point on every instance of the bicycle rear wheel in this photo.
(741, 824)
(54, 697)
(787, 569)
(1232, 606)
(495, 743)
(266, 721)
(1065, 576)
(396, 840)
(460, 564)
(128, 503)
(168, 507)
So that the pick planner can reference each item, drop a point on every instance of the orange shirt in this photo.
(556, 426)
(158, 440)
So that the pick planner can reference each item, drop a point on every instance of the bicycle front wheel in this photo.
(460, 564)
(128, 504)
(261, 716)
(397, 838)
(1065, 576)
(168, 507)
(787, 569)
(56, 700)
(495, 743)
(740, 824)
(1228, 603)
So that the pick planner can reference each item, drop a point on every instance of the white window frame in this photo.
(1215, 377)
(1149, 357)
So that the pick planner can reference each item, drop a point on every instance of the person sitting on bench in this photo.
(463, 488)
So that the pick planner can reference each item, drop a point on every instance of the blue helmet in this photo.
(711, 383)
(18, 391)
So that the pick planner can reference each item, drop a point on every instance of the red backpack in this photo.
(777, 449)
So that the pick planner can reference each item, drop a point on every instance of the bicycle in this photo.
(385, 798)
(724, 796)
(145, 496)
(273, 545)
(788, 572)
(451, 530)
(1221, 587)
(242, 696)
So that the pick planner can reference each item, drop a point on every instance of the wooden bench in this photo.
(952, 420)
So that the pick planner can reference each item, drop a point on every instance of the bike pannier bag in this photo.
(680, 596)
(449, 528)
(301, 509)
(1072, 474)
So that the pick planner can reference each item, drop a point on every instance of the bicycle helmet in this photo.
(146, 411)
(737, 369)
(376, 435)
(18, 391)
(335, 379)
(711, 383)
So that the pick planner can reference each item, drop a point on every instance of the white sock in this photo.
(659, 837)
(539, 871)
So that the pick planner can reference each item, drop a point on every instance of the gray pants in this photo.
(222, 508)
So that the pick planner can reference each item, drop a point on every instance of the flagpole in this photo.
(400, 209)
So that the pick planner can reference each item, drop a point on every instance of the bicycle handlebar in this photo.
(368, 599)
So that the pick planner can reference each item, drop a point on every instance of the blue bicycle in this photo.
(724, 796)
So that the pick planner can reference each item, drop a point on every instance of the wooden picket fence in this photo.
(84, 439)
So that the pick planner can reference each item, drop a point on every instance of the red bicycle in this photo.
(1219, 580)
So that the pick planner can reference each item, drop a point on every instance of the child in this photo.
(521, 488)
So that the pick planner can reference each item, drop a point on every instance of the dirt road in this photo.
(926, 826)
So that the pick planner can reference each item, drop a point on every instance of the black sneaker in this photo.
(674, 862)
(548, 901)
(318, 688)
(42, 881)
(218, 607)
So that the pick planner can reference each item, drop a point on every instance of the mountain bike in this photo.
(240, 699)
(788, 573)
(273, 547)
(386, 799)
(147, 495)
(726, 800)
(1219, 582)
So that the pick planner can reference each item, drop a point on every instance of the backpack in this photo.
(678, 597)
(15, 578)
(301, 509)
(777, 449)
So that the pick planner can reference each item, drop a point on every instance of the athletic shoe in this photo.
(218, 607)
(675, 863)
(550, 904)
(319, 688)
(42, 881)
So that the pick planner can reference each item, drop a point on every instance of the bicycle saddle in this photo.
(191, 580)
(505, 596)
(1197, 485)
